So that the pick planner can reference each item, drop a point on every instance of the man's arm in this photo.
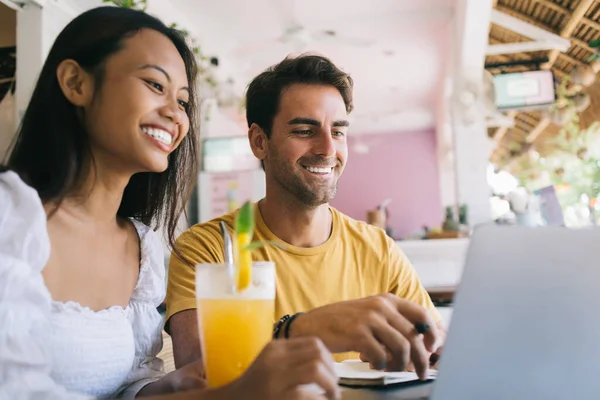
(390, 319)
(199, 244)
(374, 326)
(405, 283)
(186, 338)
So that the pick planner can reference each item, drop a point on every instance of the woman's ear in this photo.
(76, 84)
(258, 141)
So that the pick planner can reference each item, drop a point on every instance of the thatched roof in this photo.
(575, 20)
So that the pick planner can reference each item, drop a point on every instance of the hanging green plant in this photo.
(209, 85)
(594, 44)
(141, 5)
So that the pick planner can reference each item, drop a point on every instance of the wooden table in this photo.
(442, 295)
(416, 391)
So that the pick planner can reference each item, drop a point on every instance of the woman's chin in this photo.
(157, 166)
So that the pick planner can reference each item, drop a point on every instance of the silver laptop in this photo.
(526, 320)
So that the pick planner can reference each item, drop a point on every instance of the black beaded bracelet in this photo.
(280, 323)
(286, 332)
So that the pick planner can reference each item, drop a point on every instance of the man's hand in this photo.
(374, 326)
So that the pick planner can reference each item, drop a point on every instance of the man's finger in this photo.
(414, 314)
(397, 345)
(420, 358)
(373, 352)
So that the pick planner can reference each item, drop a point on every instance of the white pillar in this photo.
(445, 145)
(471, 144)
(37, 28)
(30, 54)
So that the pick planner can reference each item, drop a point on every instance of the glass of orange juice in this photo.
(234, 326)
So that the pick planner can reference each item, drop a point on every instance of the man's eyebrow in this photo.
(304, 121)
(314, 122)
(341, 123)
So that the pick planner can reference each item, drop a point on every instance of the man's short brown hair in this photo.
(264, 92)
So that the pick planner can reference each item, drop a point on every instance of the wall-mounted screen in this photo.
(226, 154)
(524, 90)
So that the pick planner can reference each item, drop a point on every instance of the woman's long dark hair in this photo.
(51, 151)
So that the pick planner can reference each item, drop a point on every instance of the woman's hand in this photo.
(282, 371)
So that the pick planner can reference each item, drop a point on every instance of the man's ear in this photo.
(259, 143)
(76, 84)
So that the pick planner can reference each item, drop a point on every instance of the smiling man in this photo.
(337, 278)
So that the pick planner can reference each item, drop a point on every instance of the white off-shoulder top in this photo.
(55, 350)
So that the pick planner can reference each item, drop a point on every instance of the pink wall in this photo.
(400, 166)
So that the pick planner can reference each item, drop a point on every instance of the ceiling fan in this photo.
(299, 37)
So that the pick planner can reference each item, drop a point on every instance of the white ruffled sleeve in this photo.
(145, 319)
(24, 298)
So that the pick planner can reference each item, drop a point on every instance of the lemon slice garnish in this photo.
(244, 230)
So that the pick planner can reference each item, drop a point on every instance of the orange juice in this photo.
(234, 327)
(233, 333)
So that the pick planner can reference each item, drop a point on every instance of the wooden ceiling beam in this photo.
(501, 131)
(563, 10)
(539, 128)
(524, 17)
(591, 22)
(521, 56)
(569, 28)
(558, 72)
(570, 59)
(553, 6)
(575, 18)
(527, 18)
(525, 120)
(565, 32)
(581, 43)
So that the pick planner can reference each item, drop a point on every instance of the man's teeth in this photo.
(158, 134)
(319, 170)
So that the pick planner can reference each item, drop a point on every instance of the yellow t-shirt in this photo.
(358, 260)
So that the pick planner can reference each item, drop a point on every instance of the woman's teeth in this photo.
(158, 134)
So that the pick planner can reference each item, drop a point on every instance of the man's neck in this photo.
(296, 224)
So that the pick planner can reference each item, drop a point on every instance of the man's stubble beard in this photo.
(300, 190)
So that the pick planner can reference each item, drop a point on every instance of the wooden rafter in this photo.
(570, 59)
(574, 20)
(539, 128)
(501, 131)
(567, 13)
(525, 57)
(591, 22)
(524, 17)
(527, 18)
(581, 43)
(553, 6)
(536, 38)
(527, 120)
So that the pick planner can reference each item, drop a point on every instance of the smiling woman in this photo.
(107, 146)
(101, 145)
(91, 101)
